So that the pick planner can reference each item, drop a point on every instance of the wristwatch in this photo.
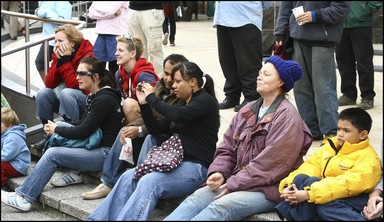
(140, 133)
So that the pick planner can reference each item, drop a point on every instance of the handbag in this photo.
(93, 141)
(164, 158)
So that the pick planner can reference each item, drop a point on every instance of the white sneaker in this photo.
(72, 177)
(14, 200)
(165, 38)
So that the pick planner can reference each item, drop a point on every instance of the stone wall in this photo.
(271, 14)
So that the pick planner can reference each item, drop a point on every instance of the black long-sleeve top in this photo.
(197, 124)
(103, 110)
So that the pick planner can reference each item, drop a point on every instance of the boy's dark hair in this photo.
(358, 117)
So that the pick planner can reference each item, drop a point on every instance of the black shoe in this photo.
(40, 145)
(238, 107)
(226, 104)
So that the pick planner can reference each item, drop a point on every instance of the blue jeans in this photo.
(315, 93)
(70, 105)
(58, 157)
(132, 199)
(150, 141)
(231, 207)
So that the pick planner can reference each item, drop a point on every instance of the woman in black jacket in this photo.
(103, 110)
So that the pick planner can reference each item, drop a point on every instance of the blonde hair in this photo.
(132, 44)
(72, 33)
(9, 117)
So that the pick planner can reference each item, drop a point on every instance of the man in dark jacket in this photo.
(315, 34)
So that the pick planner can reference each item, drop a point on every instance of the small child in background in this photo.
(15, 155)
(334, 183)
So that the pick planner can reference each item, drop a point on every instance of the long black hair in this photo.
(189, 70)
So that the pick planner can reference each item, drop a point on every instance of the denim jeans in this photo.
(230, 207)
(57, 157)
(70, 105)
(150, 141)
(114, 167)
(132, 199)
(315, 93)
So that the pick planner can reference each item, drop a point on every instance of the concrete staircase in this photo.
(65, 203)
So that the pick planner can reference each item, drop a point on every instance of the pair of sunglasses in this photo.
(129, 37)
(84, 73)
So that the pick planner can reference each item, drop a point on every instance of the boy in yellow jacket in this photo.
(334, 183)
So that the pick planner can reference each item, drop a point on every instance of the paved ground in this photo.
(197, 41)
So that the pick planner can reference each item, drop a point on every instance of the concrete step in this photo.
(65, 203)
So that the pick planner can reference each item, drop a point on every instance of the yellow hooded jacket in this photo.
(345, 172)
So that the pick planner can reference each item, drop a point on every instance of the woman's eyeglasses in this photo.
(129, 37)
(84, 73)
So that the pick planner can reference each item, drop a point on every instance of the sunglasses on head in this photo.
(129, 37)
(84, 73)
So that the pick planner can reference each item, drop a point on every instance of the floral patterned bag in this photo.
(163, 158)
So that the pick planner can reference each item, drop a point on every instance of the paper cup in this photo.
(298, 11)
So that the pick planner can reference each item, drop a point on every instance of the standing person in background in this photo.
(315, 34)
(62, 94)
(13, 22)
(170, 20)
(50, 10)
(145, 19)
(15, 155)
(239, 26)
(355, 52)
(111, 20)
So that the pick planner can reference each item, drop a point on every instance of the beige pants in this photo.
(13, 21)
(147, 25)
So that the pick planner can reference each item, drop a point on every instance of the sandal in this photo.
(72, 177)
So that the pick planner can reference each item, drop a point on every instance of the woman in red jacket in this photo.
(61, 94)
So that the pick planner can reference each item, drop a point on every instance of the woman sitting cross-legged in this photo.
(103, 110)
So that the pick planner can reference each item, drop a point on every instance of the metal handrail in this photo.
(79, 25)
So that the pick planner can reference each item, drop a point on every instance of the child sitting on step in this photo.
(15, 155)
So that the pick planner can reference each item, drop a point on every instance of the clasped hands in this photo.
(293, 195)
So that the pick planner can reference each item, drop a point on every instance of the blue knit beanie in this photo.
(289, 71)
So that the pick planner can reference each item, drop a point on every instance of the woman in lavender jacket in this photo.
(265, 141)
